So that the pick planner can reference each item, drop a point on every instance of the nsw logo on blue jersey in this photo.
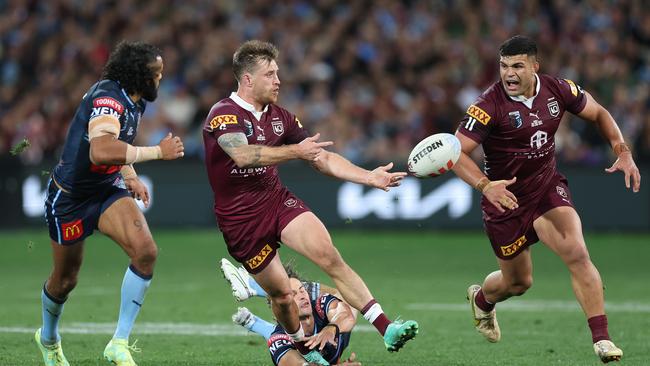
(106, 106)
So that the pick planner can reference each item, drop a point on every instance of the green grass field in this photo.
(418, 275)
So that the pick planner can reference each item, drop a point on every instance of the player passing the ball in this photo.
(524, 198)
(93, 187)
(245, 136)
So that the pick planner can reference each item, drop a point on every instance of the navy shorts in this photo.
(70, 218)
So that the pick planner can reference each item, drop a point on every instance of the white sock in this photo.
(372, 313)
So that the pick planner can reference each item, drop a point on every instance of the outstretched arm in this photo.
(106, 149)
(249, 156)
(596, 113)
(335, 165)
(467, 170)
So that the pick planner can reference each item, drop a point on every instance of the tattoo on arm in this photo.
(138, 224)
(229, 141)
(256, 155)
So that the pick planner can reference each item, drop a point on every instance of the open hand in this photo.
(626, 164)
(499, 196)
(138, 190)
(383, 179)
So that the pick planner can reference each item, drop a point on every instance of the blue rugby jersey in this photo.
(280, 343)
(75, 172)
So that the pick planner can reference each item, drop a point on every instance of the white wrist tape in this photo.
(138, 154)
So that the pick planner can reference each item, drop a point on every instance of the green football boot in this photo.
(52, 354)
(398, 333)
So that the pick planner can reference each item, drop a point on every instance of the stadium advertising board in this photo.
(185, 199)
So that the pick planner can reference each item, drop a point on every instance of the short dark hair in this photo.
(518, 45)
(129, 64)
(250, 53)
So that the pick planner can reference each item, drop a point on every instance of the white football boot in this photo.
(238, 279)
(243, 317)
(484, 321)
(607, 351)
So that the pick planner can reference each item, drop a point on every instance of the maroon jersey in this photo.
(241, 194)
(518, 136)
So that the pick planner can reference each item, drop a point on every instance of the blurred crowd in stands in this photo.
(375, 76)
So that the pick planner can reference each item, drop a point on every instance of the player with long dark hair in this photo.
(93, 186)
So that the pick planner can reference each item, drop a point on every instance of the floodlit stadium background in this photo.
(373, 76)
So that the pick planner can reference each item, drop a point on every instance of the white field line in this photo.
(228, 329)
(158, 328)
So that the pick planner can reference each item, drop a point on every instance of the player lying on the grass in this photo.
(327, 321)
(524, 197)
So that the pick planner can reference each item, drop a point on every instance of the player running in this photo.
(245, 137)
(92, 188)
(525, 199)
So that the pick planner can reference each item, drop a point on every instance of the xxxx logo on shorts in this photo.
(260, 257)
(479, 114)
(72, 230)
(511, 249)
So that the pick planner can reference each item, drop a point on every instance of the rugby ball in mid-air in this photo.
(434, 155)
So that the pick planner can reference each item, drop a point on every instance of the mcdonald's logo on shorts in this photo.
(72, 230)
(260, 257)
(512, 248)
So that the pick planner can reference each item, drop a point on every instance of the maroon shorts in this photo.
(254, 242)
(513, 231)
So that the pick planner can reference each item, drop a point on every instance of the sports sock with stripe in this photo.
(373, 313)
(52, 309)
(134, 287)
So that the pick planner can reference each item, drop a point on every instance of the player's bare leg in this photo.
(275, 281)
(561, 230)
(513, 279)
(63, 279)
(125, 224)
(307, 235)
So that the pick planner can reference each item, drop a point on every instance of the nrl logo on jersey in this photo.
(515, 119)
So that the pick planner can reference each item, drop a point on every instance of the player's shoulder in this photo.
(106, 97)
(323, 302)
(281, 112)
(560, 84)
(486, 106)
(225, 112)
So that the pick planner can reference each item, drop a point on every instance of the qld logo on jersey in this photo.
(278, 127)
(106, 106)
(554, 108)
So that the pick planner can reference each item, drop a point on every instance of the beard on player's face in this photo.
(150, 92)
